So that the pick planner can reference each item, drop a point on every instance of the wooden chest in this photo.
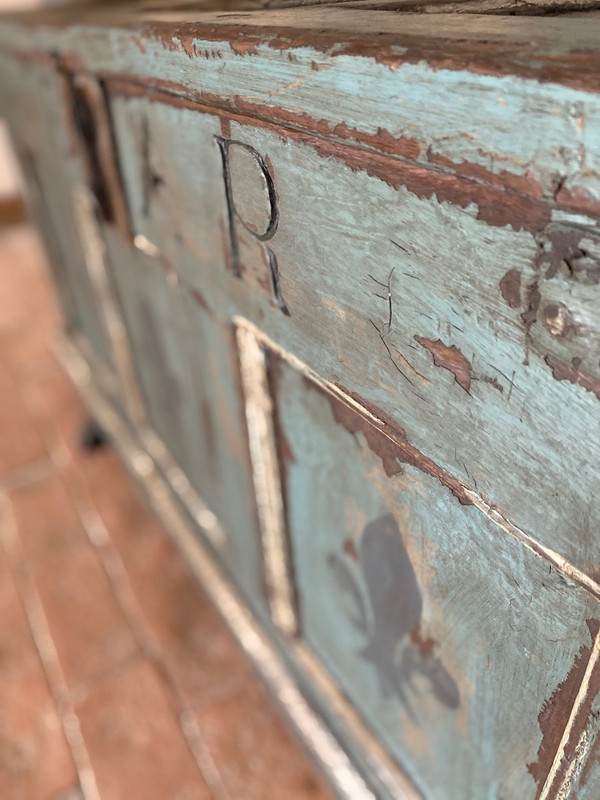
(331, 281)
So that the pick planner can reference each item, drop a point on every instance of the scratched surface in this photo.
(480, 375)
(364, 200)
(302, 79)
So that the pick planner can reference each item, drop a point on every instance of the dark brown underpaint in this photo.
(554, 716)
(564, 372)
(523, 55)
(392, 457)
(497, 206)
(510, 286)
(498, 8)
(527, 184)
(593, 757)
(534, 298)
(389, 442)
(529, 316)
(158, 90)
(404, 147)
(576, 200)
(449, 358)
(568, 255)
(556, 711)
(272, 117)
(474, 52)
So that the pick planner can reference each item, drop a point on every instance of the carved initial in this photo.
(226, 146)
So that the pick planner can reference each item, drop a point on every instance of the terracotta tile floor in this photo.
(117, 678)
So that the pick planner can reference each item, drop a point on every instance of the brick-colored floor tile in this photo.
(29, 317)
(199, 652)
(90, 631)
(45, 516)
(21, 443)
(35, 761)
(256, 756)
(24, 280)
(59, 408)
(135, 744)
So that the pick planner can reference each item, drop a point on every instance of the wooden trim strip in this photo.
(84, 206)
(552, 789)
(395, 160)
(267, 482)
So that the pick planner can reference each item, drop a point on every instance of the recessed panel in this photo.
(448, 636)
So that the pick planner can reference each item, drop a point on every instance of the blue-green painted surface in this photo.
(448, 636)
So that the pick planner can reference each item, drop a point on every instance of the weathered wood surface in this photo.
(473, 380)
(353, 191)
(422, 611)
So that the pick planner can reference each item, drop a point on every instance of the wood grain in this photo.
(403, 209)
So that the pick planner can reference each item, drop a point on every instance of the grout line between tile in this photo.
(27, 475)
(44, 644)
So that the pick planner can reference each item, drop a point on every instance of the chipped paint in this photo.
(389, 442)
(564, 372)
(565, 717)
(554, 715)
(449, 358)
(572, 252)
(510, 286)
(559, 321)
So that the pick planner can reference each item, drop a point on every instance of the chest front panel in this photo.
(366, 371)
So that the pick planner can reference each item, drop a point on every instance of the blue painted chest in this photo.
(330, 278)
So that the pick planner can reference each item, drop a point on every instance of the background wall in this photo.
(9, 173)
